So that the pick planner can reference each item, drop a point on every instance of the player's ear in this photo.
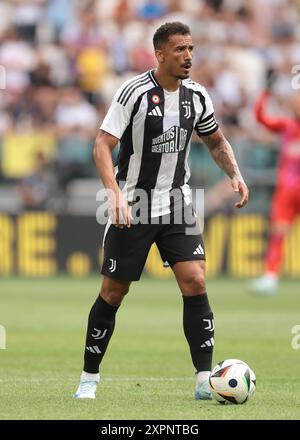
(159, 55)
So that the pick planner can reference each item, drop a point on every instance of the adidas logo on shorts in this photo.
(199, 250)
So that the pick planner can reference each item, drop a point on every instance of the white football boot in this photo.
(266, 285)
(88, 386)
(202, 391)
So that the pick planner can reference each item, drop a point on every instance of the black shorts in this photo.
(126, 250)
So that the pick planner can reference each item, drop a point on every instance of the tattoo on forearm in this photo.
(222, 154)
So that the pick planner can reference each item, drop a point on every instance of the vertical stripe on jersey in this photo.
(185, 188)
(185, 95)
(161, 199)
(134, 165)
(198, 102)
(150, 162)
(126, 145)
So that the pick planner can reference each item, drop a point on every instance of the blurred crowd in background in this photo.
(62, 61)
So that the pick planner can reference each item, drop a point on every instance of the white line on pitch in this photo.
(104, 379)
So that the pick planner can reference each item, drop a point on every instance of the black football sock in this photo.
(198, 328)
(101, 324)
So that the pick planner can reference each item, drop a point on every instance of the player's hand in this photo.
(240, 187)
(119, 211)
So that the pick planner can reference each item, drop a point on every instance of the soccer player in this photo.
(286, 198)
(153, 116)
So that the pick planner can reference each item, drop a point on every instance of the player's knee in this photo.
(194, 284)
(114, 295)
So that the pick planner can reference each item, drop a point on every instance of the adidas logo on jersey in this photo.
(199, 250)
(156, 111)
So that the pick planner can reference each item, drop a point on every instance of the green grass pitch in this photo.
(147, 372)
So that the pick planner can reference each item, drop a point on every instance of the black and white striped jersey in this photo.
(155, 128)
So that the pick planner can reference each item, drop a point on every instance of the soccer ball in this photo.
(232, 381)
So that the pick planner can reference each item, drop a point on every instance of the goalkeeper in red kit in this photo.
(286, 198)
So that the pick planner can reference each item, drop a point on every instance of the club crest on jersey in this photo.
(187, 106)
(155, 99)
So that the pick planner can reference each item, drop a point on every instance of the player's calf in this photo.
(199, 328)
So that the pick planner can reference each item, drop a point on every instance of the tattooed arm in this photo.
(222, 153)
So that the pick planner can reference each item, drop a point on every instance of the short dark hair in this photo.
(165, 31)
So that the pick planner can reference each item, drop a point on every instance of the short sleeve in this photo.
(206, 124)
(118, 116)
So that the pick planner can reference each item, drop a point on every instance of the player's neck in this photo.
(167, 82)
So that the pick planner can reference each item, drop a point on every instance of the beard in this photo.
(183, 76)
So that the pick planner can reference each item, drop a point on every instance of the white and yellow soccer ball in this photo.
(232, 381)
